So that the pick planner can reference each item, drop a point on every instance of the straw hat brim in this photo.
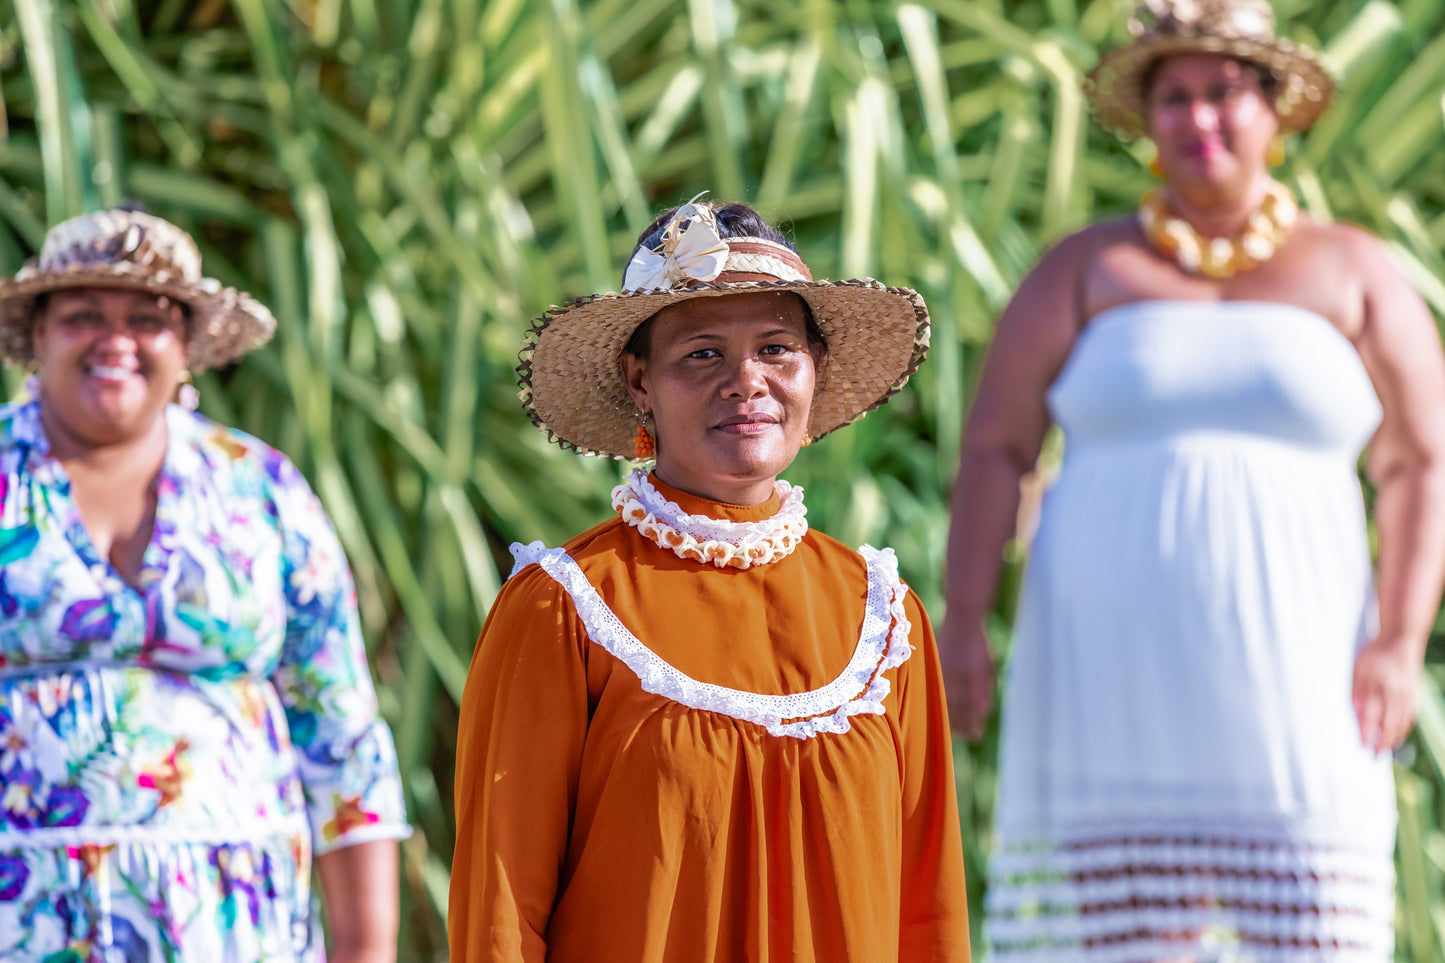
(1115, 85)
(571, 379)
(225, 322)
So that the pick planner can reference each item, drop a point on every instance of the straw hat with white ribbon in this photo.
(571, 379)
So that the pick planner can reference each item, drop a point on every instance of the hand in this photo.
(968, 673)
(1387, 674)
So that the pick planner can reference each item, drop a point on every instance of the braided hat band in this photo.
(569, 371)
(754, 255)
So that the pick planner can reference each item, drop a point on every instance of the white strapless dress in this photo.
(1181, 771)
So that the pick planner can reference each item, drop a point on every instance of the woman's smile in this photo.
(748, 424)
(110, 372)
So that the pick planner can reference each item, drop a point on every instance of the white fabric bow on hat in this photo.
(691, 250)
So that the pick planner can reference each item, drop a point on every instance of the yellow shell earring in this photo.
(1274, 154)
(1154, 166)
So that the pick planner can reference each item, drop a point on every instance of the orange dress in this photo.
(790, 797)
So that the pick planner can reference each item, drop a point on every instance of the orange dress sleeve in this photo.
(933, 923)
(519, 744)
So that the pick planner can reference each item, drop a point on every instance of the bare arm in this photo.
(359, 887)
(1001, 441)
(1401, 350)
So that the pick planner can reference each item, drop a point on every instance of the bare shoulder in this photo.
(1111, 230)
(1036, 332)
(1083, 244)
(1057, 279)
(1350, 244)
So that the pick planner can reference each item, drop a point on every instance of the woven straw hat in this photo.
(569, 372)
(136, 251)
(1242, 29)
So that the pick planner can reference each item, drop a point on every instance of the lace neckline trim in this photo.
(860, 688)
(723, 542)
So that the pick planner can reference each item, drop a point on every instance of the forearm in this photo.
(1410, 521)
(984, 513)
(359, 888)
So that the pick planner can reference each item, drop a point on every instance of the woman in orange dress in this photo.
(702, 731)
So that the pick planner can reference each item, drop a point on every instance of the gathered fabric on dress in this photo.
(662, 760)
(172, 752)
(1182, 774)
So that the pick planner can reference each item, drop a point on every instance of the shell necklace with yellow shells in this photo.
(1219, 257)
(724, 543)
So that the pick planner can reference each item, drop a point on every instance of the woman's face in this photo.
(1210, 119)
(110, 361)
(729, 384)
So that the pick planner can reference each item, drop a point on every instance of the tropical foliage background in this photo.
(407, 182)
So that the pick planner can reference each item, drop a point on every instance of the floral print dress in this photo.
(172, 752)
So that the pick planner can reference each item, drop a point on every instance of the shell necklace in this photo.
(1219, 257)
(724, 543)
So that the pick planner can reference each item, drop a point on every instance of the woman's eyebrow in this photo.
(702, 336)
(88, 299)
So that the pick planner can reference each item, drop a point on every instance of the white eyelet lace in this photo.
(860, 688)
(724, 543)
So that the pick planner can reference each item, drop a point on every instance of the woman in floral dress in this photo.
(185, 709)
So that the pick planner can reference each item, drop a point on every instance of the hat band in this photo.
(696, 255)
(753, 255)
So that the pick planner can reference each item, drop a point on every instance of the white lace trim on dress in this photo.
(860, 688)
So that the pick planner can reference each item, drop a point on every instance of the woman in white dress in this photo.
(1207, 679)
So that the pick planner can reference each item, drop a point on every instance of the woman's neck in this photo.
(1219, 212)
(143, 451)
(744, 492)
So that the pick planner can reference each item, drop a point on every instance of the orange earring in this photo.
(643, 447)
(1155, 167)
(807, 438)
(1274, 154)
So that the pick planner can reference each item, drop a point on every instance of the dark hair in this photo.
(733, 220)
(1268, 82)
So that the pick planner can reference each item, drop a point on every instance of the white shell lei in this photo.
(725, 543)
(860, 688)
